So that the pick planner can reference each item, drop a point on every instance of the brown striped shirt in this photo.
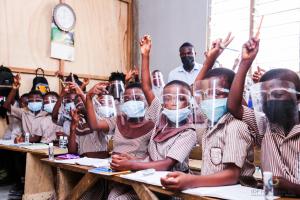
(229, 141)
(177, 147)
(137, 146)
(49, 129)
(280, 154)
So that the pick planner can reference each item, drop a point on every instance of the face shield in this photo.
(176, 105)
(49, 103)
(211, 99)
(275, 104)
(104, 106)
(116, 89)
(158, 79)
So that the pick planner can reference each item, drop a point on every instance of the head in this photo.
(50, 99)
(134, 104)
(281, 103)
(117, 76)
(23, 102)
(116, 87)
(187, 54)
(105, 106)
(35, 101)
(157, 78)
(69, 102)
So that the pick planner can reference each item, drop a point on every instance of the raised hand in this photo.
(218, 46)
(73, 86)
(99, 88)
(17, 81)
(75, 116)
(86, 81)
(250, 50)
(258, 74)
(145, 45)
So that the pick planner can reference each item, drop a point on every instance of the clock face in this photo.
(64, 17)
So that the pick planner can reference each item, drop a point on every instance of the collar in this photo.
(196, 68)
(294, 132)
(222, 122)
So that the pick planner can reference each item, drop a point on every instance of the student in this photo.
(174, 129)
(48, 126)
(31, 118)
(83, 140)
(157, 83)
(227, 146)
(279, 137)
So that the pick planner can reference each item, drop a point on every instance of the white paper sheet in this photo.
(234, 192)
(153, 179)
(6, 142)
(93, 162)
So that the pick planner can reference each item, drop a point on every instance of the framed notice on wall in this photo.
(62, 32)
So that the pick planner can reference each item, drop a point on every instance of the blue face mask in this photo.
(174, 117)
(105, 111)
(134, 109)
(35, 106)
(219, 108)
(69, 106)
(49, 107)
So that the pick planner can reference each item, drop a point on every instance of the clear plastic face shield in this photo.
(176, 105)
(211, 99)
(49, 103)
(275, 104)
(134, 104)
(116, 89)
(69, 102)
(158, 79)
(104, 106)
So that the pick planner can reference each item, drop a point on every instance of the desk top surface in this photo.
(43, 152)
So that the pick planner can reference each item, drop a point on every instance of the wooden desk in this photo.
(38, 176)
(195, 165)
(68, 189)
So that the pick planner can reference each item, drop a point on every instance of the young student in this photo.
(48, 126)
(31, 118)
(279, 135)
(227, 146)
(83, 140)
(157, 83)
(174, 129)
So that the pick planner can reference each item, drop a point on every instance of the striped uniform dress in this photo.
(280, 154)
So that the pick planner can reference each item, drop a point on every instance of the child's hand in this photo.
(86, 81)
(258, 74)
(75, 116)
(120, 163)
(17, 81)
(75, 87)
(132, 72)
(175, 181)
(59, 74)
(250, 50)
(145, 45)
(99, 88)
(218, 46)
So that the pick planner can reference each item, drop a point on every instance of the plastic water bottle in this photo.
(61, 141)
(51, 151)
(27, 135)
(65, 142)
(268, 185)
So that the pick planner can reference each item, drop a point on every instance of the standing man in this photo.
(190, 69)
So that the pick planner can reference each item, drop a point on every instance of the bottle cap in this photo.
(51, 144)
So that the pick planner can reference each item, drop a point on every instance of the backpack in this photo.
(6, 81)
(39, 82)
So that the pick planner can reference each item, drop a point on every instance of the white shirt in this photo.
(180, 74)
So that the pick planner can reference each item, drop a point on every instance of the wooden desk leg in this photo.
(143, 192)
(87, 181)
(38, 179)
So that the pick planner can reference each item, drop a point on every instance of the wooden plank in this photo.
(143, 192)
(84, 185)
(38, 179)
(42, 152)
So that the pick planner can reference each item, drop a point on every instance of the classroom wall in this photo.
(103, 39)
(171, 23)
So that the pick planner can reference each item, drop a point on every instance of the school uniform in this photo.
(280, 154)
(30, 121)
(14, 128)
(49, 129)
(228, 142)
(88, 140)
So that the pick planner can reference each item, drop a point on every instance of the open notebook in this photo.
(152, 179)
(93, 162)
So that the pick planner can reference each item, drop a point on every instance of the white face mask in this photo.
(49, 107)
(134, 109)
(177, 115)
(105, 111)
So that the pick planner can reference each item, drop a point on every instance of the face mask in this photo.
(175, 116)
(35, 106)
(49, 107)
(134, 109)
(220, 108)
(70, 106)
(282, 112)
(188, 62)
(105, 111)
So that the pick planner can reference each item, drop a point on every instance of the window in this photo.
(280, 31)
